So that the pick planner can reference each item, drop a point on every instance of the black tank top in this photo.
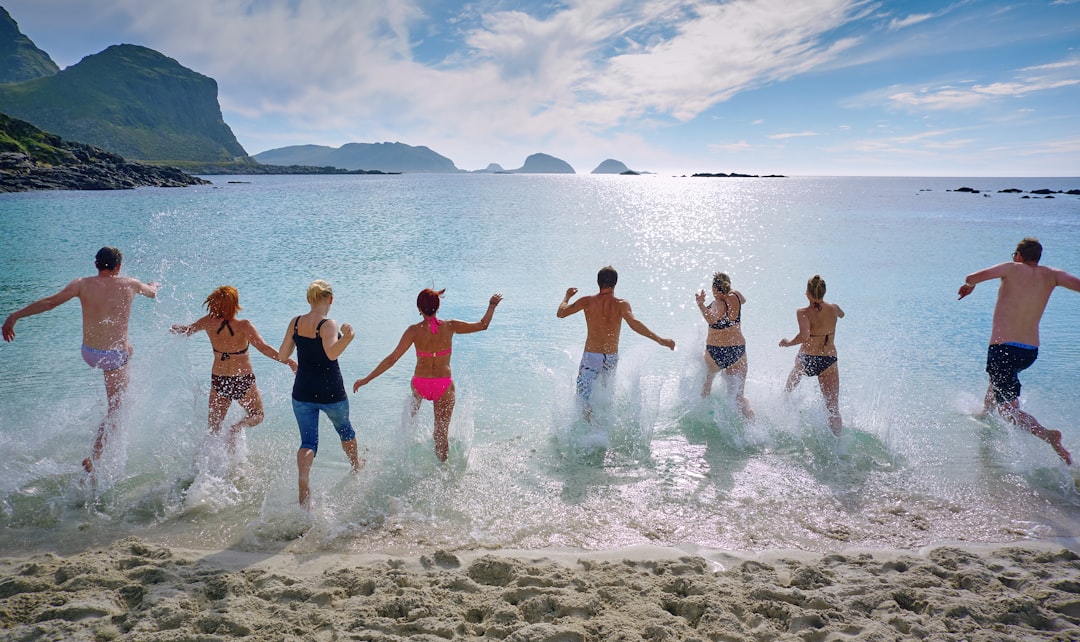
(318, 378)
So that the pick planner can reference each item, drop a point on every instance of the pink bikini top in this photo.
(433, 323)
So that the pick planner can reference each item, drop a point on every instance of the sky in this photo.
(793, 87)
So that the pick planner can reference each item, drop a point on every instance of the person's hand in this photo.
(9, 329)
(179, 328)
(346, 331)
(495, 299)
(784, 343)
(700, 296)
(965, 290)
(569, 293)
(358, 383)
(668, 343)
(292, 365)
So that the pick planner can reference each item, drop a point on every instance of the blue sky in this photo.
(797, 87)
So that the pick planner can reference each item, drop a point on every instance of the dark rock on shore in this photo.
(31, 159)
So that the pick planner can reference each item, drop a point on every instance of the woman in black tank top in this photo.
(318, 386)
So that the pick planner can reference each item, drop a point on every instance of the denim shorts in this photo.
(307, 418)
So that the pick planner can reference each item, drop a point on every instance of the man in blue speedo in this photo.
(604, 314)
(1014, 335)
(106, 308)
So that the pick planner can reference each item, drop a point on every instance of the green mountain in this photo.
(131, 101)
(20, 59)
(386, 157)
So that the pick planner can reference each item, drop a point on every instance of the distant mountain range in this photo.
(142, 105)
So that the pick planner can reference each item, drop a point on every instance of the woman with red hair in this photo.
(231, 377)
(433, 339)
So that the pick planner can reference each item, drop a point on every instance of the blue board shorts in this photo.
(1004, 361)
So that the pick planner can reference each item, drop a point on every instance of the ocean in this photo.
(658, 465)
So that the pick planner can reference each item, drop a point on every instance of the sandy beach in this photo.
(137, 590)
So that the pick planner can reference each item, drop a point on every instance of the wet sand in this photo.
(138, 590)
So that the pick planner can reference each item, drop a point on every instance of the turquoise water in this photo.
(661, 466)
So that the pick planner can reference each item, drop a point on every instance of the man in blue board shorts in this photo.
(1014, 335)
(106, 308)
(604, 315)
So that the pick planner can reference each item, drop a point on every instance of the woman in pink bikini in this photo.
(433, 339)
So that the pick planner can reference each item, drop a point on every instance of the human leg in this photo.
(1010, 411)
(338, 413)
(116, 382)
(219, 406)
(444, 410)
(307, 420)
(829, 380)
(711, 371)
(737, 373)
(794, 377)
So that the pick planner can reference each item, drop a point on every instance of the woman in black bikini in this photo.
(231, 377)
(817, 356)
(725, 347)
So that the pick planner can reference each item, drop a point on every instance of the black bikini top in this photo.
(226, 355)
(724, 322)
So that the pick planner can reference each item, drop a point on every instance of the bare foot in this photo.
(358, 465)
(1054, 437)
(88, 465)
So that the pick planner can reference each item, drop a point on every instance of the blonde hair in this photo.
(721, 282)
(815, 287)
(319, 290)
(223, 303)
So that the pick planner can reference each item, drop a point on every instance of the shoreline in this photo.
(136, 589)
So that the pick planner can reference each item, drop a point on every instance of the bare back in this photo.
(106, 310)
(821, 328)
(1022, 297)
(604, 315)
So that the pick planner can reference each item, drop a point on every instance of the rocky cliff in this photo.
(20, 59)
(131, 101)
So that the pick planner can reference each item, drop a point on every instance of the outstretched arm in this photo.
(389, 360)
(255, 339)
(1066, 280)
(804, 329)
(463, 327)
(70, 291)
(642, 329)
(147, 289)
(973, 279)
(190, 328)
(565, 309)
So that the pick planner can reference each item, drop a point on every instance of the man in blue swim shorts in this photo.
(106, 309)
(604, 315)
(1023, 294)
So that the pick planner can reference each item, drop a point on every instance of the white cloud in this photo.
(792, 135)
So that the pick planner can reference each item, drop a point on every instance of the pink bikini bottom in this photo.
(431, 388)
